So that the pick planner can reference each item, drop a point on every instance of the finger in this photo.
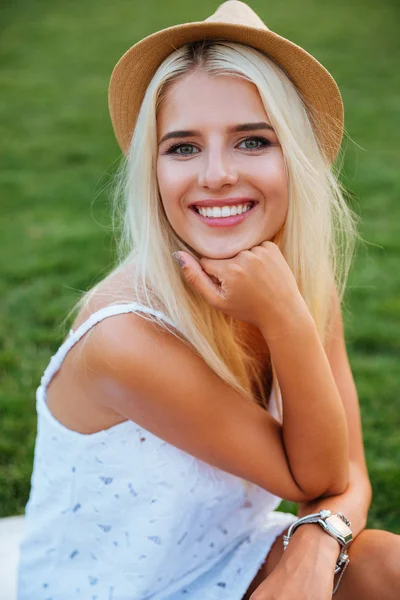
(268, 245)
(214, 268)
(199, 279)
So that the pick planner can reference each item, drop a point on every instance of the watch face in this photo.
(339, 525)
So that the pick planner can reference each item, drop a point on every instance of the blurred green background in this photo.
(58, 155)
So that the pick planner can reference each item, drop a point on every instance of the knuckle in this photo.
(244, 254)
(234, 269)
(247, 257)
(258, 251)
(268, 244)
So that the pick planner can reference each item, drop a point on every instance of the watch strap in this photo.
(343, 558)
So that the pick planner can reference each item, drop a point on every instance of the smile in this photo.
(224, 216)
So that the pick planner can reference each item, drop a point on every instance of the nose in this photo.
(217, 169)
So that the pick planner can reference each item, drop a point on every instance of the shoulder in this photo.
(133, 346)
(113, 289)
(126, 338)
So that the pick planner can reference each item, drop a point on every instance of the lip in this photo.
(223, 202)
(225, 221)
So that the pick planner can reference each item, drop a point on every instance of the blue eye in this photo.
(174, 149)
(256, 143)
(259, 142)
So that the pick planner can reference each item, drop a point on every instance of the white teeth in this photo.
(224, 211)
(216, 211)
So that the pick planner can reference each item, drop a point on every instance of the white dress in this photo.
(123, 515)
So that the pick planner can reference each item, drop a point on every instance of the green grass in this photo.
(58, 156)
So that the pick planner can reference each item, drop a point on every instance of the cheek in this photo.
(270, 178)
(163, 179)
(172, 181)
(172, 185)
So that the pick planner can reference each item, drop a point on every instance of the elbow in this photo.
(321, 487)
(301, 495)
(316, 492)
(327, 475)
(336, 489)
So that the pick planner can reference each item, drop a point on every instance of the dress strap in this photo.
(74, 336)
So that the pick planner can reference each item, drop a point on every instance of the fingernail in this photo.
(179, 259)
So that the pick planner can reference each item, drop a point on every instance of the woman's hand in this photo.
(296, 583)
(255, 286)
(306, 569)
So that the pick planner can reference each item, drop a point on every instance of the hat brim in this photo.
(135, 69)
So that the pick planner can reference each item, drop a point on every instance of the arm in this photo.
(306, 569)
(354, 503)
(259, 286)
(314, 422)
(159, 382)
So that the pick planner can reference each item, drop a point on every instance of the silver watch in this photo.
(337, 526)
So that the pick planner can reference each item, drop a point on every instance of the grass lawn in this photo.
(58, 155)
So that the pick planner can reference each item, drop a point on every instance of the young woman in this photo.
(192, 395)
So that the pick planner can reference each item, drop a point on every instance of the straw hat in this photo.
(236, 22)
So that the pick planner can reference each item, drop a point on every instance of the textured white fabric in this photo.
(10, 535)
(123, 515)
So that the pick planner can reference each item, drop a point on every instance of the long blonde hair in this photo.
(317, 239)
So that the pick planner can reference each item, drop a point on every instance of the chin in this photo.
(228, 251)
(222, 255)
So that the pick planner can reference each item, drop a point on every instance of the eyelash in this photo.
(264, 141)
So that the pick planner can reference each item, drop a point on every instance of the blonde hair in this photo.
(317, 239)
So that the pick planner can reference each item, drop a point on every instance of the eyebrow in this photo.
(236, 129)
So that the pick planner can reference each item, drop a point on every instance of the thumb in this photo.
(197, 277)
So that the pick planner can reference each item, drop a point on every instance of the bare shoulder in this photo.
(75, 396)
(130, 340)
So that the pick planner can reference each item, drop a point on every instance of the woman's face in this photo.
(218, 154)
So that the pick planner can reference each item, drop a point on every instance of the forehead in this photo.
(202, 100)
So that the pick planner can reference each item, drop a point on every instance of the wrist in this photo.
(311, 539)
(315, 535)
(296, 321)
